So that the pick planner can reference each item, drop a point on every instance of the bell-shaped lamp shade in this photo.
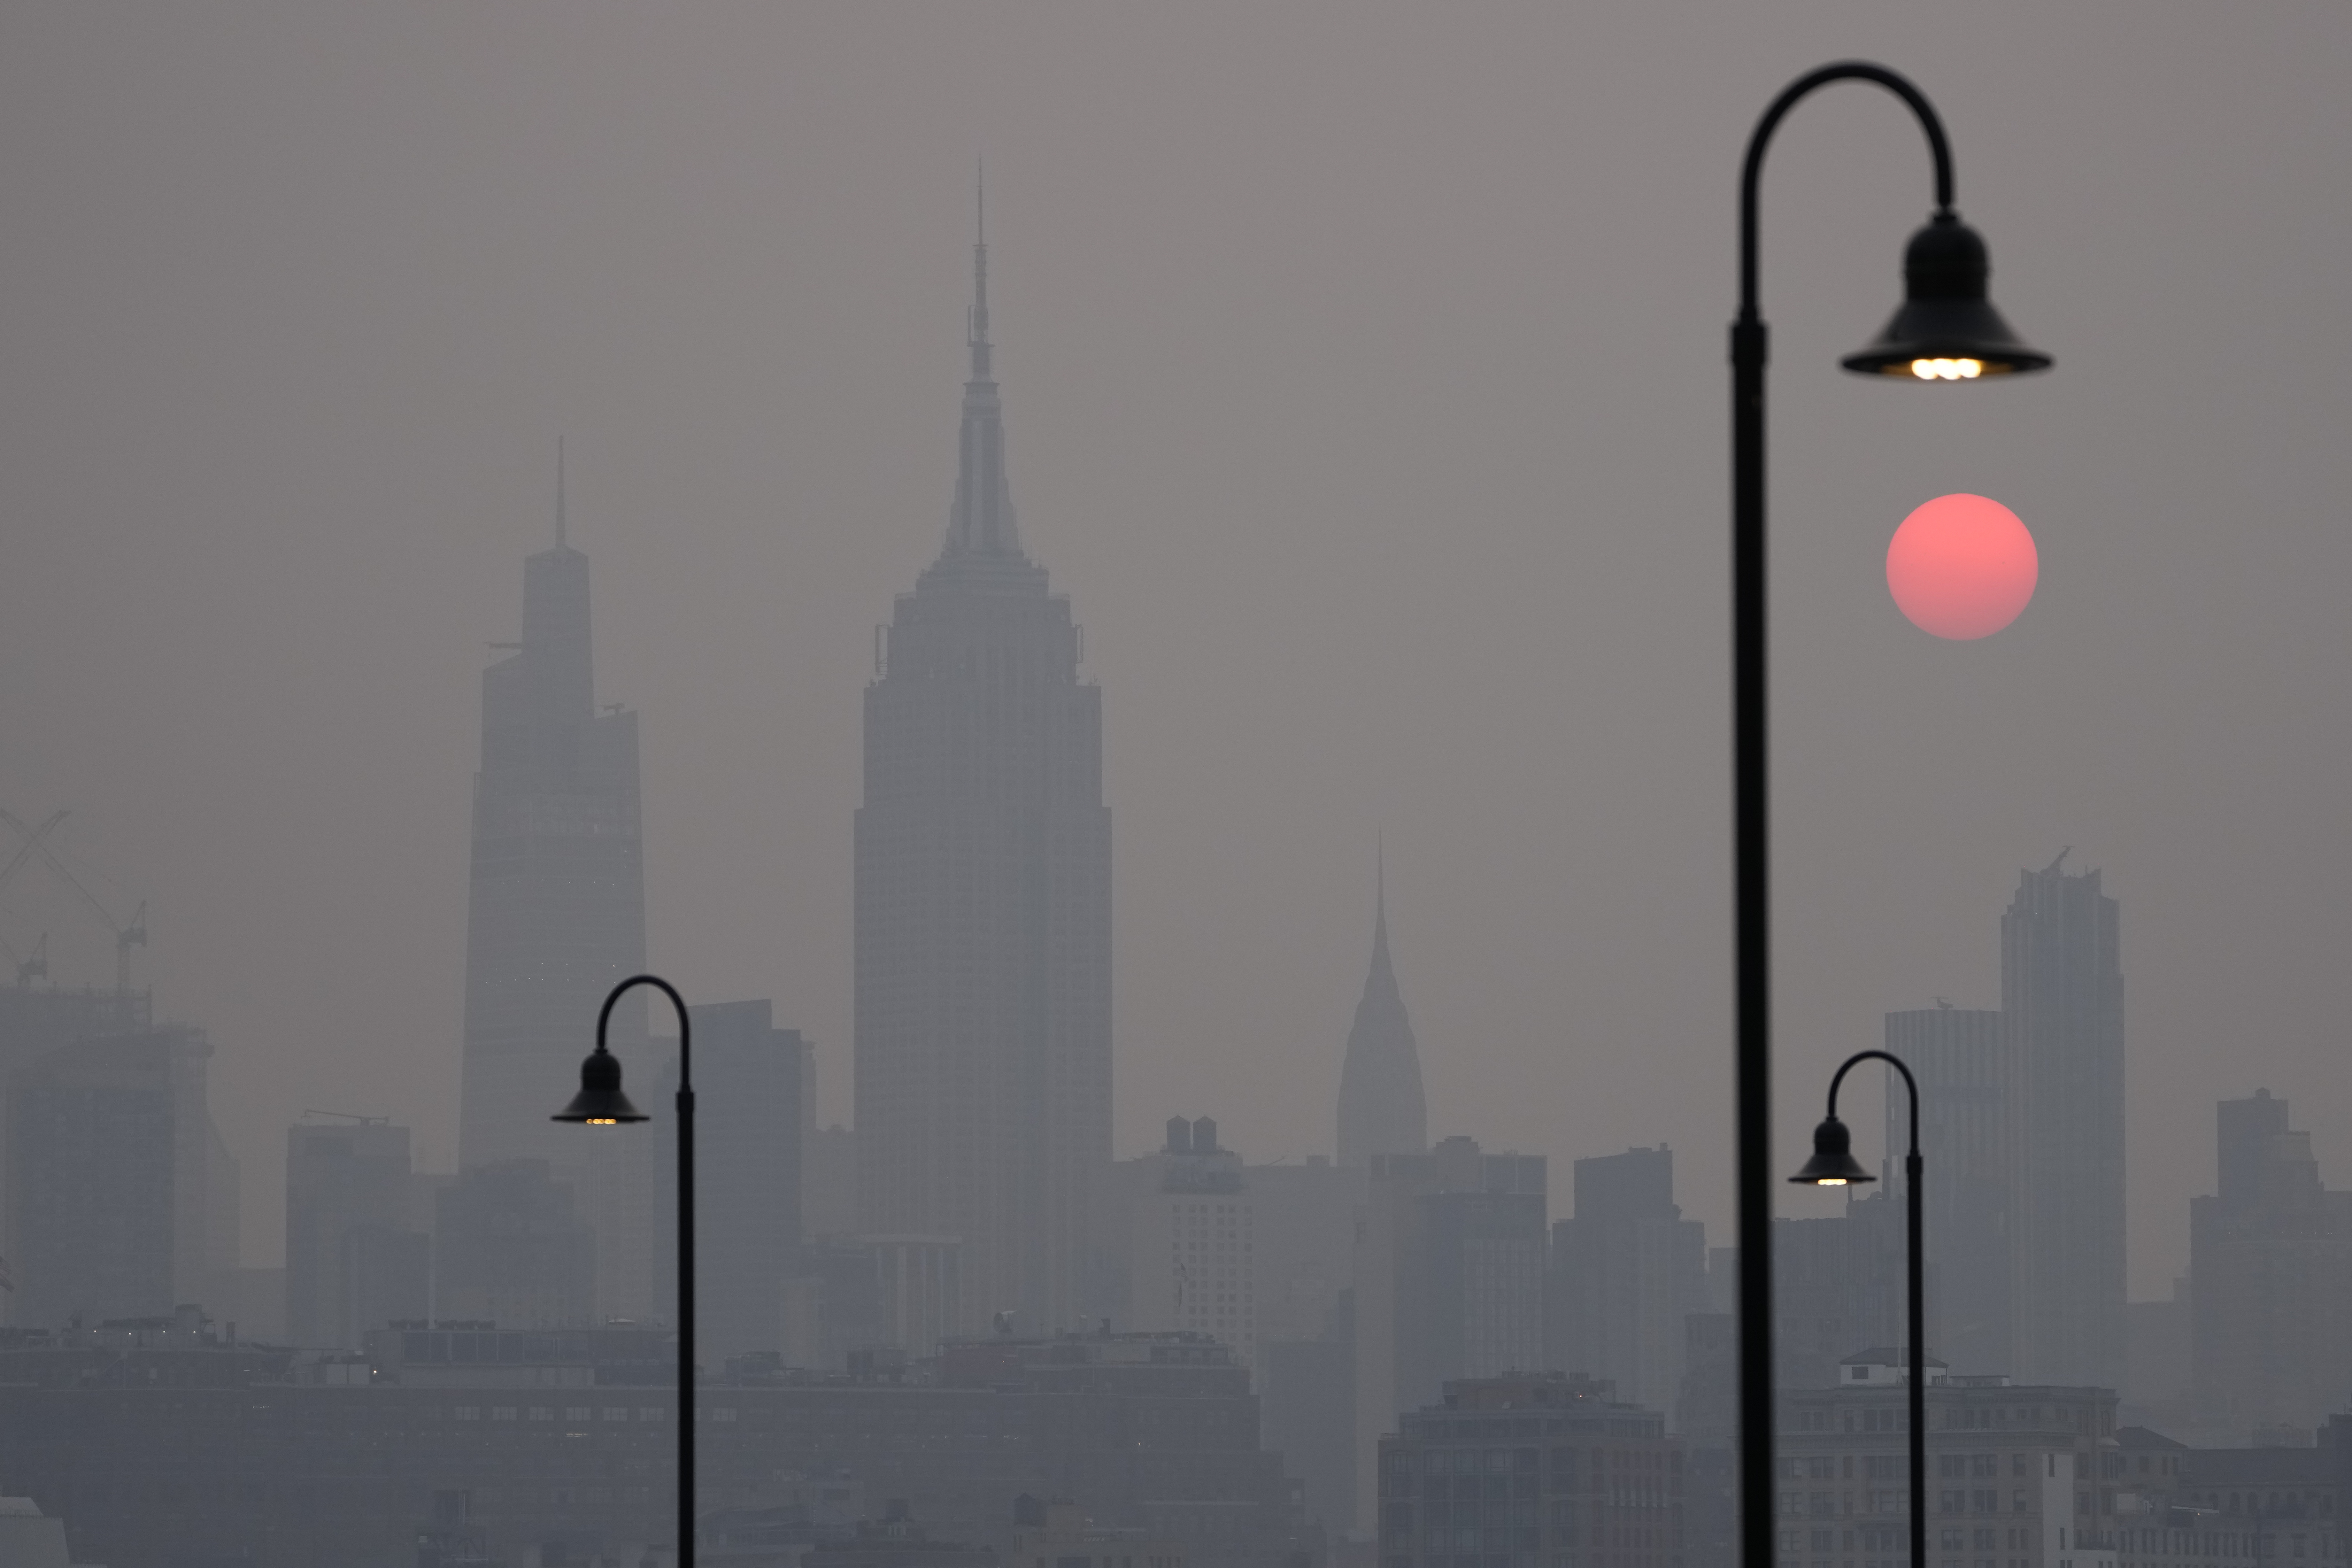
(599, 1102)
(1946, 328)
(1833, 1165)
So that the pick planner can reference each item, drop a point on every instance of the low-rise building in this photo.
(1532, 1470)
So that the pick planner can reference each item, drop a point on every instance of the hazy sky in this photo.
(1364, 375)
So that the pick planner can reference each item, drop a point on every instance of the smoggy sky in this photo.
(1364, 374)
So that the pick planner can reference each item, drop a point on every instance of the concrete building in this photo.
(1626, 1271)
(2270, 1273)
(1449, 1283)
(2017, 1475)
(359, 1248)
(2063, 1023)
(983, 926)
(1382, 1108)
(1837, 1282)
(511, 1247)
(1958, 1056)
(556, 917)
(1530, 1469)
(1194, 1244)
(123, 1199)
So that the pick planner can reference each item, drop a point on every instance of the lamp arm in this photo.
(1752, 169)
(677, 1003)
(1908, 1081)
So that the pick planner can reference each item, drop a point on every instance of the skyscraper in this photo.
(556, 913)
(982, 1034)
(1381, 1110)
(2061, 990)
(1963, 1143)
(2271, 1266)
(1627, 1270)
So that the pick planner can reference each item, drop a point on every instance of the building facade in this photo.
(1530, 1472)
(1627, 1270)
(2063, 1021)
(2017, 1475)
(983, 926)
(1195, 1243)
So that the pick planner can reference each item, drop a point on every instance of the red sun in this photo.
(1962, 567)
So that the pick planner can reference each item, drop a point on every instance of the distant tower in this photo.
(557, 908)
(1381, 1110)
(983, 1033)
(1958, 1056)
(2062, 989)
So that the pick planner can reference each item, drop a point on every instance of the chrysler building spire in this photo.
(983, 519)
(1382, 1108)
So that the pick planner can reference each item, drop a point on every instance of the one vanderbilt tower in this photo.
(984, 905)
(556, 912)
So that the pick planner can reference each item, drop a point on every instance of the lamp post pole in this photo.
(1945, 330)
(601, 1103)
(1833, 1165)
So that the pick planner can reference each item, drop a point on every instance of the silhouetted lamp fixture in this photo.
(1947, 331)
(1833, 1165)
(601, 1103)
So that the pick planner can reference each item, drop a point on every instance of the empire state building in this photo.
(984, 1054)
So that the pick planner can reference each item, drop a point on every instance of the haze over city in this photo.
(1362, 374)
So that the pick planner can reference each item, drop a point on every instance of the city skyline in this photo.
(1358, 542)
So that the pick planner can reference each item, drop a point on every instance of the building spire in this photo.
(560, 540)
(977, 334)
(982, 519)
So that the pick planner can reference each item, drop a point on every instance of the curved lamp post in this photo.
(601, 1103)
(1833, 1165)
(1945, 331)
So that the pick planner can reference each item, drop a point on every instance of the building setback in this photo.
(983, 926)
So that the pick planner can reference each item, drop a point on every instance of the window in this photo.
(1984, 1464)
(1951, 1466)
(577, 1413)
(1952, 1502)
(1953, 1539)
(502, 1412)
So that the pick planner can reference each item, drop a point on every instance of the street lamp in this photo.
(601, 1103)
(1945, 332)
(1833, 1165)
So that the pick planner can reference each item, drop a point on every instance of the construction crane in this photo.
(126, 935)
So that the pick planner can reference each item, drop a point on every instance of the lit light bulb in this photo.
(1830, 1181)
(1947, 369)
(603, 1122)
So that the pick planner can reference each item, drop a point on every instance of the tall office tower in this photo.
(1449, 1283)
(748, 1077)
(1627, 1270)
(556, 916)
(1381, 1110)
(1956, 1054)
(984, 1020)
(358, 1255)
(2062, 995)
(123, 1199)
(36, 1020)
(2270, 1260)
(1837, 1288)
